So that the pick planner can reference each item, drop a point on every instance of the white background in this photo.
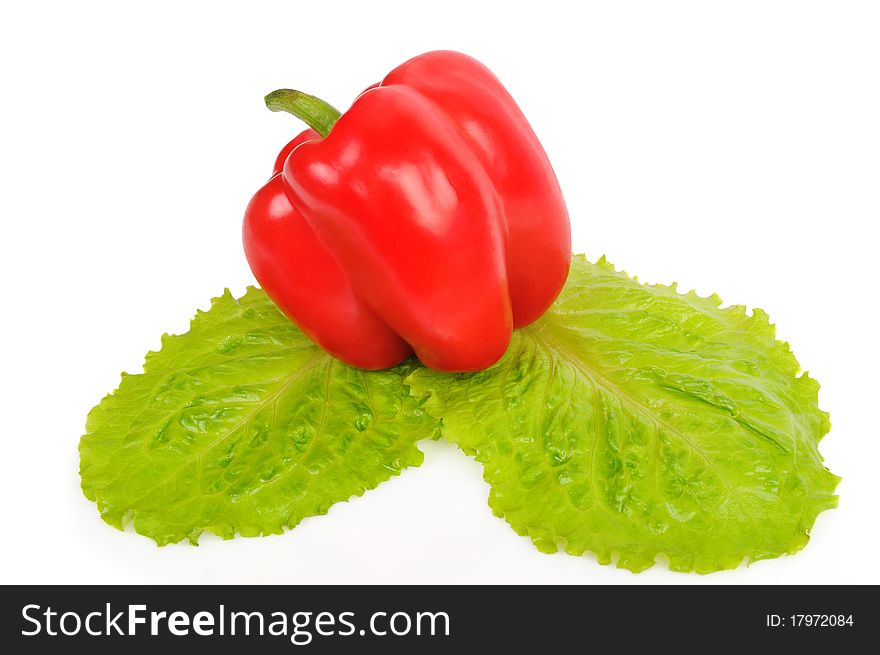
(733, 147)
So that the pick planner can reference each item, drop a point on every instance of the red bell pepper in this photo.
(427, 218)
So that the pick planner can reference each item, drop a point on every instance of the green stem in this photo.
(317, 114)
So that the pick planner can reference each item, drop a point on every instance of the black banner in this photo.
(436, 619)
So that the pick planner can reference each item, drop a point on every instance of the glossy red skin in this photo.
(491, 123)
(429, 217)
(307, 283)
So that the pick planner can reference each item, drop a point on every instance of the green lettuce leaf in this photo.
(242, 425)
(637, 421)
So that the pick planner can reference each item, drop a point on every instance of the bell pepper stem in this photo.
(317, 114)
